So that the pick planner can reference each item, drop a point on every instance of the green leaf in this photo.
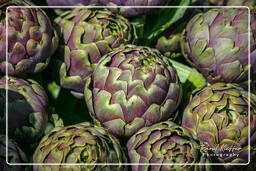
(159, 22)
(197, 79)
(187, 74)
(70, 109)
(138, 24)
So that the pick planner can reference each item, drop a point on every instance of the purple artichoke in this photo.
(70, 2)
(219, 115)
(131, 12)
(27, 103)
(216, 43)
(166, 143)
(132, 87)
(82, 143)
(127, 12)
(249, 3)
(87, 36)
(15, 155)
(31, 39)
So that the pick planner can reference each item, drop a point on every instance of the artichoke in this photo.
(127, 12)
(87, 36)
(27, 103)
(132, 87)
(82, 143)
(219, 115)
(166, 143)
(217, 2)
(249, 3)
(15, 155)
(132, 12)
(31, 39)
(70, 2)
(169, 44)
(216, 43)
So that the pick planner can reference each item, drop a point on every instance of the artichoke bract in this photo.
(133, 11)
(31, 39)
(133, 87)
(216, 43)
(27, 105)
(219, 116)
(82, 143)
(70, 2)
(87, 36)
(249, 3)
(15, 155)
(166, 143)
(169, 44)
(125, 11)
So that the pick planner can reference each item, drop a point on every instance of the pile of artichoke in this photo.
(127, 85)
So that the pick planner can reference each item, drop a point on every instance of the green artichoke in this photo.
(82, 143)
(87, 36)
(31, 38)
(133, 87)
(166, 143)
(219, 116)
(15, 155)
(27, 105)
(216, 43)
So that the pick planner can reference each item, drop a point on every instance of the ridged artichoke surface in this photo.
(125, 11)
(31, 38)
(70, 2)
(133, 11)
(169, 44)
(166, 143)
(27, 105)
(249, 3)
(216, 43)
(219, 115)
(82, 143)
(133, 87)
(15, 155)
(87, 36)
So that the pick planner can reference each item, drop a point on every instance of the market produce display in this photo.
(121, 87)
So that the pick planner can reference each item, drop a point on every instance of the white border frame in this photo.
(131, 164)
